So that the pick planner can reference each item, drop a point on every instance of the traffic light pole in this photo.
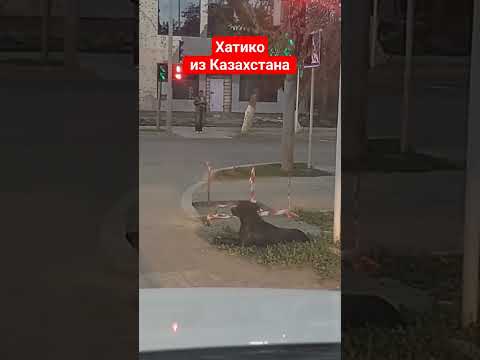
(310, 129)
(170, 70)
(159, 91)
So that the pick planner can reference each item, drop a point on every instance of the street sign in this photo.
(316, 46)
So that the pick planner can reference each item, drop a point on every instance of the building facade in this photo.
(194, 23)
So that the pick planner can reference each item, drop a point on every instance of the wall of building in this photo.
(153, 50)
(262, 107)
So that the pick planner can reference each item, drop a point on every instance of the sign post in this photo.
(170, 69)
(338, 168)
(471, 247)
(315, 62)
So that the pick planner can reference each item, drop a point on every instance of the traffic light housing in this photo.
(162, 72)
(180, 51)
(290, 46)
(177, 72)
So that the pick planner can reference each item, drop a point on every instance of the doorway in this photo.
(216, 95)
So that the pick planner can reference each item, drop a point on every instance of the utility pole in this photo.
(316, 55)
(407, 77)
(288, 127)
(170, 69)
(338, 168)
(310, 129)
(470, 298)
(297, 124)
(288, 130)
(159, 91)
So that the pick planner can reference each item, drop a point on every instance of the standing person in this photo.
(200, 108)
(250, 112)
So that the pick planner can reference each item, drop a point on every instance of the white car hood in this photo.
(217, 317)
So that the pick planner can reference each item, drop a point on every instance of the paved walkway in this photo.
(319, 134)
(227, 119)
(424, 210)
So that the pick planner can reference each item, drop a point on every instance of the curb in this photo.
(186, 200)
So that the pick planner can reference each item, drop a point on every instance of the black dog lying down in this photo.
(256, 231)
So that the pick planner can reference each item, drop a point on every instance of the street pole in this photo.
(338, 168)
(170, 70)
(470, 296)
(45, 28)
(310, 130)
(373, 34)
(407, 77)
(159, 91)
(297, 125)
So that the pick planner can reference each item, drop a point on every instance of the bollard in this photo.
(209, 180)
(252, 186)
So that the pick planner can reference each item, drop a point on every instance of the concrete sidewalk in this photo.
(228, 119)
(409, 213)
(309, 193)
(319, 134)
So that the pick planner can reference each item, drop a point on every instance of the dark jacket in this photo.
(200, 103)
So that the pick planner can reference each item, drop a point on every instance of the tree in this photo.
(255, 18)
(192, 19)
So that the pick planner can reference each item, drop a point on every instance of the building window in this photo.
(186, 17)
(231, 18)
(186, 88)
(220, 18)
(265, 85)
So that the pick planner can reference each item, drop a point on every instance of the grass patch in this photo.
(321, 253)
(427, 336)
(324, 219)
(269, 170)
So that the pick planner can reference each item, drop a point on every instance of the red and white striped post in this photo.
(209, 180)
(252, 186)
(289, 194)
(290, 213)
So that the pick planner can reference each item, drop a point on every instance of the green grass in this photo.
(322, 254)
(324, 219)
(269, 170)
(426, 336)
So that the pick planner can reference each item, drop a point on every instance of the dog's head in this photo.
(245, 209)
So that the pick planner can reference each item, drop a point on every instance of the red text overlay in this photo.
(239, 55)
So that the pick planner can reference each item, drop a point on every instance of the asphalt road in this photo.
(172, 254)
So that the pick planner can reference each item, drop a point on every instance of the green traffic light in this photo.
(162, 75)
(291, 42)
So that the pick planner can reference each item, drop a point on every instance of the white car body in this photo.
(200, 318)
